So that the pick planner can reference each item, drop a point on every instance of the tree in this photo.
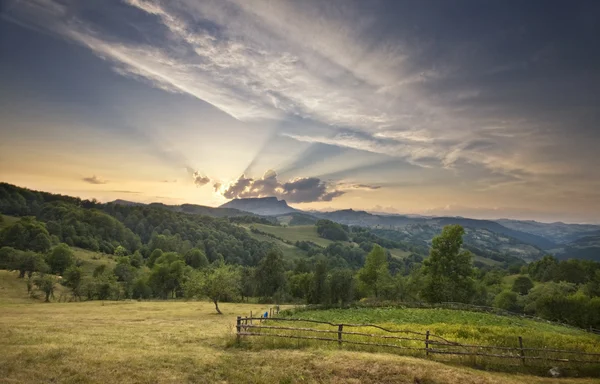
(270, 273)
(319, 290)
(341, 285)
(167, 275)
(154, 256)
(41, 243)
(46, 284)
(375, 271)
(60, 258)
(222, 282)
(8, 257)
(522, 285)
(448, 269)
(30, 262)
(72, 278)
(196, 258)
(120, 251)
(327, 229)
(507, 300)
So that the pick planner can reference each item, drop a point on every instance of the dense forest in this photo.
(161, 253)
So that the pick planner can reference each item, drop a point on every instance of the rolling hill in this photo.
(264, 206)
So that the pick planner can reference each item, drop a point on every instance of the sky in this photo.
(484, 109)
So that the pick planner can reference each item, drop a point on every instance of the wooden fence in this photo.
(416, 342)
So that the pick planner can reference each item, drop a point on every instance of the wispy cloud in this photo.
(499, 99)
(94, 180)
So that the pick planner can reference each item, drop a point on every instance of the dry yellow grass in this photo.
(182, 342)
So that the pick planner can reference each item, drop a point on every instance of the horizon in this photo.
(373, 211)
(457, 109)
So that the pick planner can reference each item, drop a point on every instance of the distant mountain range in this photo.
(527, 240)
(264, 206)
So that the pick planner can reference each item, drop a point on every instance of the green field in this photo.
(183, 342)
(290, 252)
(90, 260)
(295, 233)
(8, 220)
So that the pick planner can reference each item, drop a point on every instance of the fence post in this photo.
(522, 352)
(250, 317)
(427, 344)
(340, 329)
(238, 325)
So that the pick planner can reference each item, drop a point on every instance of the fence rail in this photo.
(402, 339)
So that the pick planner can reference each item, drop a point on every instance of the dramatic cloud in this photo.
(94, 180)
(299, 190)
(462, 92)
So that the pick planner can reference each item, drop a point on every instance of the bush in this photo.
(507, 300)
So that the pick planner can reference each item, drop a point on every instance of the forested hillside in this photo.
(155, 251)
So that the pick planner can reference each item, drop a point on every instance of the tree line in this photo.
(161, 254)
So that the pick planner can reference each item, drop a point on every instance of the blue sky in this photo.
(484, 109)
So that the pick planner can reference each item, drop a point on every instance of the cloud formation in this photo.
(506, 104)
(298, 190)
(94, 180)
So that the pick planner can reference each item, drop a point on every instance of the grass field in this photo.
(290, 252)
(8, 220)
(90, 260)
(183, 342)
(295, 233)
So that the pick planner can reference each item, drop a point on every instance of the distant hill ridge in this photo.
(265, 206)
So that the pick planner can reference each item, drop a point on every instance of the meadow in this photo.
(185, 342)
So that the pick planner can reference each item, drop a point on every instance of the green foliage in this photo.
(167, 276)
(60, 258)
(26, 234)
(522, 285)
(221, 283)
(448, 269)
(270, 274)
(141, 288)
(8, 257)
(46, 284)
(375, 274)
(319, 288)
(196, 258)
(73, 278)
(120, 251)
(29, 262)
(341, 285)
(507, 300)
(327, 229)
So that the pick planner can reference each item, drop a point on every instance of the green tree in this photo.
(448, 269)
(522, 285)
(375, 271)
(319, 289)
(196, 258)
(72, 278)
(60, 258)
(46, 284)
(341, 285)
(41, 243)
(29, 262)
(221, 283)
(270, 273)
(120, 251)
(154, 256)
(141, 288)
(8, 257)
(507, 300)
